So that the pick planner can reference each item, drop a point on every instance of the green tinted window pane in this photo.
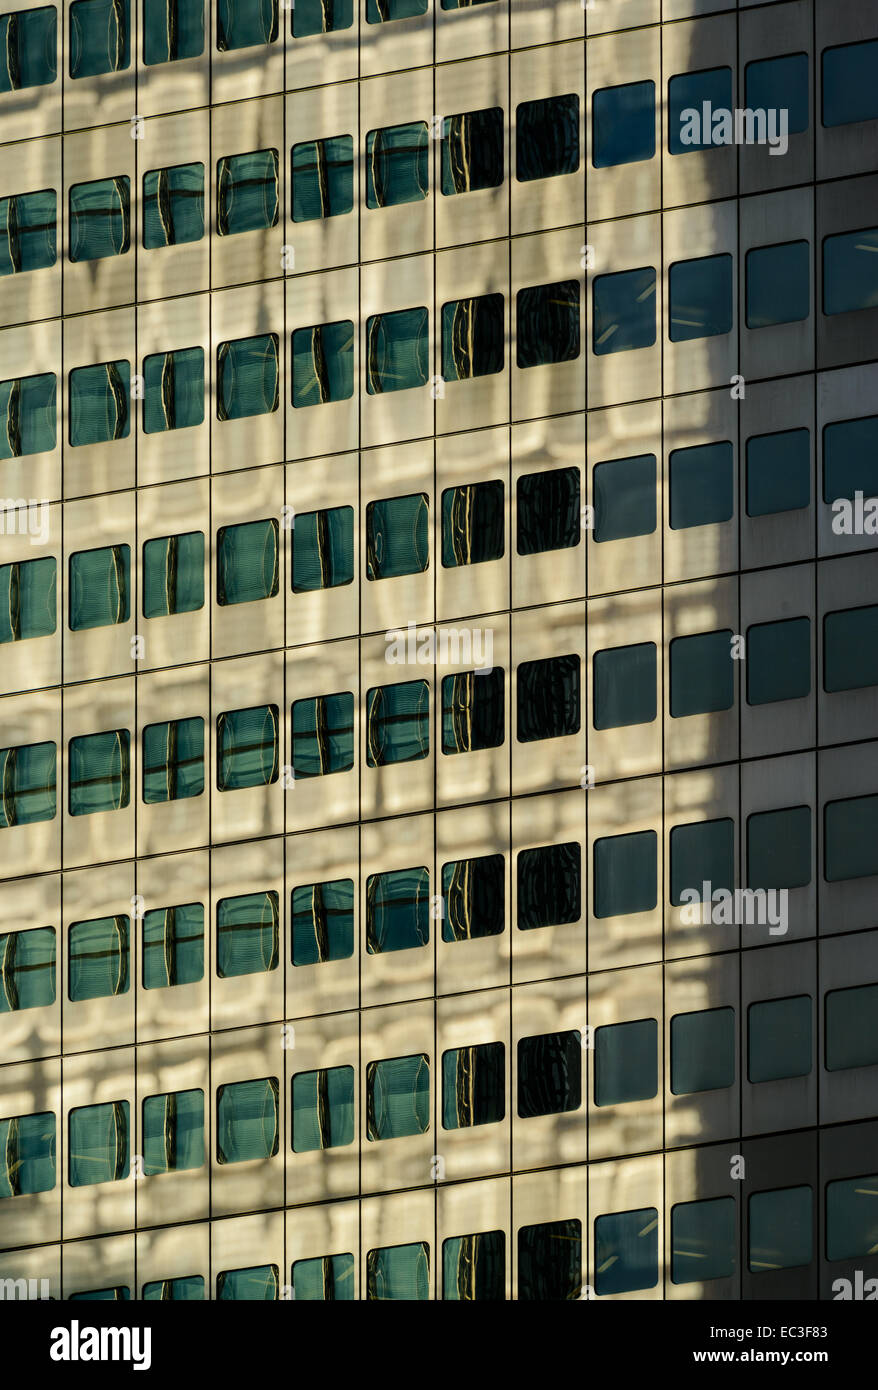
(247, 747)
(247, 377)
(850, 272)
(851, 838)
(850, 457)
(548, 698)
(778, 284)
(173, 390)
(626, 1062)
(258, 1284)
(549, 1074)
(688, 91)
(98, 1149)
(623, 124)
(99, 403)
(27, 969)
(27, 1147)
(472, 151)
(472, 524)
(323, 170)
(247, 931)
(547, 137)
(549, 885)
(247, 1120)
(28, 221)
(173, 199)
(472, 337)
(397, 723)
(703, 852)
(625, 686)
(474, 897)
(781, 1224)
(173, 575)
(473, 713)
(397, 165)
(778, 661)
(702, 674)
(100, 587)
(323, 735)
(625, 874)
(473, 1085)
(173, 1132)
(624, 498)
(323, 549)
(27, 600)
(172, 29)
(779, 1038)
(99, 772)
(323, 922)
(702, 485)
(173, 760)
(547, 327)
(173, 946)
(779, 848)
(380, 11)
(548, 511)
(850, 648)
(624, 311)
(703, 1239)
(399, 1272)
(323, 1109)
(186, 1290)
(27, 415)
(27, 784)
(851, 1035)
(247, 192)
(397, 910)
(474, 1267)
(317, 17)
(850, 83)
(323, 364)
(247, 562)
(780, 84)
(100, 219)
(701, 294)
(397, 350)
(29, 44)
(778, 472)
(550, 1261)
(99, 37)
(98, 958)
(243, 23)
(398, 1097)
(397, 536)
(119, 1294)
(626, 1251)
(702, 1051)
(329, 1278)
(851, 1218)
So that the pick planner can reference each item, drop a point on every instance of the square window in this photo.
(778, 661)
(473, 1085)
(173, 946)
(28, 221)
(99, 37)
(399, 1272)
(549, 885)
(781, 1224)
(100, 587)
(172, 29)
(247, 931)
(247, 747)
(398, 1097)
(472, 151)
(247, 377)
(323, 735)
(779, 848)
(173, 1132)
(328, 1278)
(547, 323)
(98, 1149)
(173, 575)
(778, 284)
(29, 43)
(397, 723)
(687, 94)
(548, 511)
(779, 1038)
(472, 337)
(397, 350)
(397, 910)
(851, 1039)
(99, 403)
(850, 271)
(624, 498)
(702, 674)
(851, 1218)
(703, 1239)
(323, 1109)
(472, 524)
(323, 922)
(474, 1267)
(850, 838)
(626, 1251)
(188, 1289)
(247, 1120)
(397, 165)
(472, 711)
(247, 562)
(474, 897)
(246, 192)
(547, 137)
(27, 599)
(323, 549)
(623, 124)
(850, 457)
(323, 363)
(550, 1262)
(778, 472)
(624, 686)
(98, 959)
(701, 303)
(173, 198)
(624, 311)
(27, 413)
(702, 1051)
(382, 11)
(173, 760)
(244, 23)
(625, 874)
(258, 1284)
(549, 1074)
(850, 648)
(27, 779)
(27, 969)
(850, 83)
(702, 852)
(100, 772)
(173, 390)
(27, 1143)
(626, 1062)
(100, 218)
(397, 536)
(780, 84)
(548, 698)
(322, 170)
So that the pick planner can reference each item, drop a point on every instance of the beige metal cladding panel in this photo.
(172, 326)
(768, 975)
(249, 497)
(400, 1030)
(34, 111)
(91, 894)
(246, 1242)
(538, 822)
(242, 128)
(623, 620)
(182, 1194)
(175, 509)
(483, 773)
(465, 1209)
(629, 808)
(392, 977)
(90, 1265)
(691, 421)
(243, 73)
(692, 610)
(624, 14)
(779, 29)
(472, 1151)
(324, 113)
(771, 407)
(330, 798)
(848, 394)
(247, 870)
(845, 715)
(540, 1199)
(164, 696)
(251, 311)
(32, 662)
(472, 402)
(28, 904)
(32, 1088)
(463, 460)
(181, 85)
(624, 1185)
(468, 32)
(173, 1252)
(332, 1173)
(104, 100)
(313, 486)
(105, 523)
(312, 301)
(847, 904)
(557, 1006)
(625, 997)
(329, 57)
(403, 229)
(252, 1184)
(395, 788)
(397, 44)
(473, 832)
(386, 288)
(540, 447)
(405, 1218)
(34, 351)
(330, 1228)
(537, 75)
(692, 798)
(99, 1078)
(164, 882)
(182, 268)
(26, 719)
(692, 234)
(631, 244)
(698, 175)
(700, 1117)
(613, 60)
(482, 84)
(321, 857)
(631, 562)
(34, 167)
(698, 1175)
(551, 388)
(402, 470)
(847, 149)
(774, 784)
(541, 635)
(239, 684)
(92, 340)
(107, 156)
(545, 25)
(778, 596)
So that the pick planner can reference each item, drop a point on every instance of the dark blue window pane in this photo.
(323, 1109)
(173, 1132)
(549, 885)
(626, 1251)
(397, 350)
(550, 1262)
(173, 205)
(548, 511)
(703, 1240)
(623, 124)
(323, 177)
(624, 498)
(99, 37)
(548, 698)
(323, 363)
(778, 284)
(687, 93)
(547, 138)
(851, 838)
(850, 83)
(27, 599)
(247, 562)
(247, 377)
(702, 852)
(702, 1051)
(247, 197)
(27, 226)
(173, 946)
(549, 1074)
(397, 723)
(188, 1289)
(472, 524)
(172, 29)
(98, 958)
(328, 1278)
(702, 485)
(779, 1038)
(323, 922)
(323, 735)
(380, 11)
(397, 910)
(850, 272)
(28, 42)
(624, 686)
(547, 323)
(27, 1143)
(472, 151)
(173, 575)
(781, 1229)
(98, 1149)
(780, 84)
(851, 1037)
(778, 472)
(27, 415)
(397, 536)
(399, 1272)
(323, 549)
(27, 780)
(321, 17)
(100, 587)
(99, 407)
(27, 969)
(778, 661)
(701, 298)
(850, 649)
(472, 711)
(100, 219)
(173, 760)
(702, 673)
(473, 1085)
(474, 896)
(247, 1120)
(625, 874)
(397, 165)
(258, 1284)
(242, 23)
(472, 337)
(850, 458)
(100, 771)
(173, 390)
(247, 747)
(626, 1062)
(398, 1097)
(474, 1267)
(624, 311)
(779, 848)
(851, 1218)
